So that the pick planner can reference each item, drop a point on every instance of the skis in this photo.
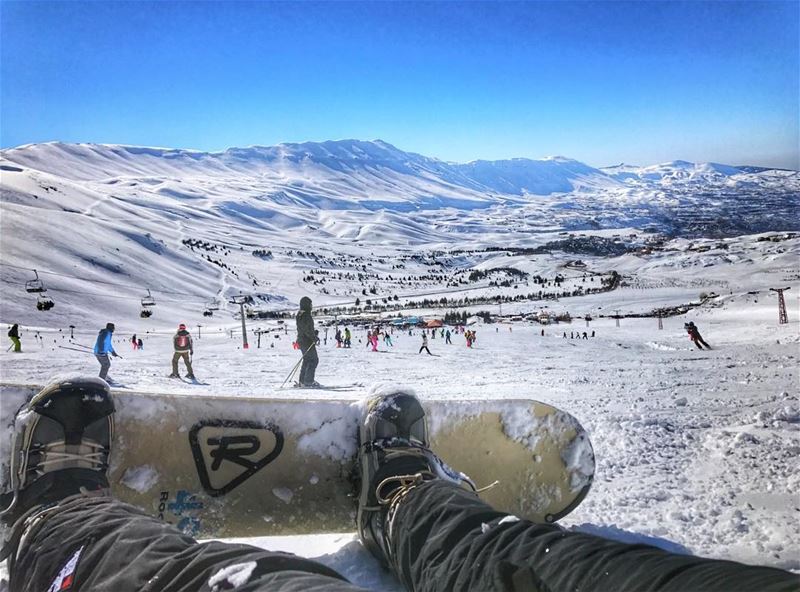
(188, 380)
(322, 387)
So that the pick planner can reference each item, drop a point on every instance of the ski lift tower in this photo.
(241, 300)
(783, 318)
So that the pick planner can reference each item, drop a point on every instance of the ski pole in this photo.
(83, 351)
(296, 366)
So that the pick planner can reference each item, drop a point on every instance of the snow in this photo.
(696, 450)
(140, 479)
(232, 576)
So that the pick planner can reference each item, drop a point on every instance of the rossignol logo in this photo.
(228, 452)
(66, 575)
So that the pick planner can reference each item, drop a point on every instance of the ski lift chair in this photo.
(212, 305)
(44, 303)
(148, 301)
(35, 285)
(208, 313)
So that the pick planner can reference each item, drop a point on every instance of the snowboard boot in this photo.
(62, 439)
(394, 457)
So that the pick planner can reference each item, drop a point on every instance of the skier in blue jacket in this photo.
(103, 347)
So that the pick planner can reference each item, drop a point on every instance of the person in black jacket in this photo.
(307, 339)
(13, 334)
(68, 533)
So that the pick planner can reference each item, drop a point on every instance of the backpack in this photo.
(182, 341)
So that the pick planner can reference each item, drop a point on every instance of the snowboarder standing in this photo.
(13, 335)
(694, 335)
(184, 348)
(102, 349)
(307, 339)
(424, 344)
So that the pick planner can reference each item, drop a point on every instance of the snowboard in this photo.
(219, 466)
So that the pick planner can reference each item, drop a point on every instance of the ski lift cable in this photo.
(117, 296)
(116, 284)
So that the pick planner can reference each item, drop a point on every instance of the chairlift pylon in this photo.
(148, 300)
(35, 285)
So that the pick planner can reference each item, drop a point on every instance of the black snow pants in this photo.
(445, 540)
(103, 545)
(310, 360)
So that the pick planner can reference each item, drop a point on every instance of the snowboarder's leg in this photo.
(17, 344)
(437, 536)
(509, 554)
(175, 357)
(119, 547)
(68, 533)
(105, 364)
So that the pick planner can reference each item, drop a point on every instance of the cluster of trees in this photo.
(453, 317)
(193, 244)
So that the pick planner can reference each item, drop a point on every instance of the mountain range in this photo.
(127, 215)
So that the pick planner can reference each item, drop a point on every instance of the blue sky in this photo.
(603, 82)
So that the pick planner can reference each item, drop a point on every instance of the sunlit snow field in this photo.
(696, 450)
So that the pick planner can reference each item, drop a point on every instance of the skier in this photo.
(447, 337)
(184, 348)
(316, 334)
(542, 332)
(134, 343)
(387, 339)
(373, 339)
(347, 337)
(424, 344)
(338, 337)
(13, 335)
(66, 531)
(140, 343)
(306, 339)
(592, 332)
(694, 335)
(585, 336)
(102, 348)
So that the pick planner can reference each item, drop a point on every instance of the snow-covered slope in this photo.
(107, 222)
(696, 449)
